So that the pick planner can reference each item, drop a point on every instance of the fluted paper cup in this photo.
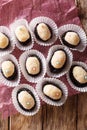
(13, 26)
(72, 27)
(22, 61)
(16, 104)
(59, 83)
(11, 45)
(67, 64)
(16, 81)
(50, 23)
(80, 89)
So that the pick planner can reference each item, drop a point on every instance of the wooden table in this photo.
(71, 116)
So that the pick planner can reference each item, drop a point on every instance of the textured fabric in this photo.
(61, 11)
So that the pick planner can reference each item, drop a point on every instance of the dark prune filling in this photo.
(37, 35)
(75, 82)
(26, 43)
(8, 43)
(14, 75)
(54, 70)
(66, 43)
(47, 83)
(35, 75)
(25, 89)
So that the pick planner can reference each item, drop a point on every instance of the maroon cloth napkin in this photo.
(61, 11)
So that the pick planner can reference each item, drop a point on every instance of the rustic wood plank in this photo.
(3, 124)
(82, 112)
(20, 122)
(82, 5)
(82, 11)
(48, 118)
(82, 98)
(61, 118)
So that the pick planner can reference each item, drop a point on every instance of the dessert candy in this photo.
(43, 32)
(52, 91)
(33, 65)
(71, 39)
(78, 75)
(58, 61)
(26, 99)
(4, 41)
(8, 69)
(23, 35)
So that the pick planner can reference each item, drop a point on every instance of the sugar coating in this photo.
(4, 41)
(52, 91)
(33, 65)
(43, 31)
(26, 100)
(80, 74)
(22, 33)
(58, 59)
(8, 68)
(72, 38)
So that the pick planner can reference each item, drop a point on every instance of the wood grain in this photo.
(20, 122)
(3, 124)
(82, 98)
(82, 112)
(48, 118)
(71, 116)
(82, 11)
(60, 118)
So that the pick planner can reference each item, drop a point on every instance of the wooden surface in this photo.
(71, 116)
